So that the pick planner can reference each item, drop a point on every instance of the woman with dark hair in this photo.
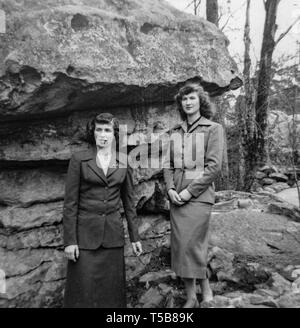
(190, 187)
(97, 180)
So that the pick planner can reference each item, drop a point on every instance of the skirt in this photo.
(189, 239)
(96, 279)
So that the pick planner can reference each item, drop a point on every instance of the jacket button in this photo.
(105, 201)
(103, 214)
(106, 188)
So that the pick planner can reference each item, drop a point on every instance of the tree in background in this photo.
(212, 11)
(245, 114)
(212, 15)
(253, 104)
(260, 156)
(253, 109)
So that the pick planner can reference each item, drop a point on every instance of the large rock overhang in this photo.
(59, 65)
(98, 55)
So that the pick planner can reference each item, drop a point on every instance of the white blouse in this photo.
(104, 160)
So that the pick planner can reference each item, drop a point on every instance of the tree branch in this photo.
(222, 28)
(282, 35)
(231, 15)
(199, 3)
(189, 4)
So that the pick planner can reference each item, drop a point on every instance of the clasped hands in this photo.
(181, 198)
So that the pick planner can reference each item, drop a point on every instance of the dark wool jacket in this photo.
(91, 216)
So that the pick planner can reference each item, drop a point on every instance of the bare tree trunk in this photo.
(196, 4)
(240, 109)
(253, 124)
(264, 80)
(247, 117)
(212, 11)
(294, 136)
(212, 15)
(195, 7)
(245, 114)
(247, 58)
(222, 181)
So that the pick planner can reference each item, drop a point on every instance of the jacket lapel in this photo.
(184, 126)
(202, 121)
(113, 165)
(93, 165)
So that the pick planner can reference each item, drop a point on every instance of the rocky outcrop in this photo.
(253, 259)
(236, 282)
(275, 178)
(59, 64)
(79, 55)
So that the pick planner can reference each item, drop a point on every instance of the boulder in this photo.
(260, 175)
(255, 233)
(269, 189)
(219, 301)
(296, 285)
(279, 186)
(165, 289)
(290, 300)
(220, 263)
(136, 265)
(290, 195)
(268, 169)
(279, 177)
(157, 276)
(267, 181)
(244, 203)
(279, 284)
(67, 55)
(289, 210)
(225, 206)
(151, 298)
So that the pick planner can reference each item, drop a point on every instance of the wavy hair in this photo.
(103, 118)
(206, 109)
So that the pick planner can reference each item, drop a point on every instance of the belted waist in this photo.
(189, 168)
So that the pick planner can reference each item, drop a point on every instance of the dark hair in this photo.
(205, 104)
(103, 118)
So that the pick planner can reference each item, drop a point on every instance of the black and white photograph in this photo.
(150, 156)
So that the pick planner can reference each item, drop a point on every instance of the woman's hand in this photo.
(137, 248)
(185, 195)
(72, 252)
(175, 198)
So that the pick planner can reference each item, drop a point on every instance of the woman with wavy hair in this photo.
(97, 181)
(190, 187)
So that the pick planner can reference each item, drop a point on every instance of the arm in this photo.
(168, 167)
(71, 202)
(212, 164)
(168, 172)
(127, 195)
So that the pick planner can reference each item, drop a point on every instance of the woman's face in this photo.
(190, 103)
(104, 135)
